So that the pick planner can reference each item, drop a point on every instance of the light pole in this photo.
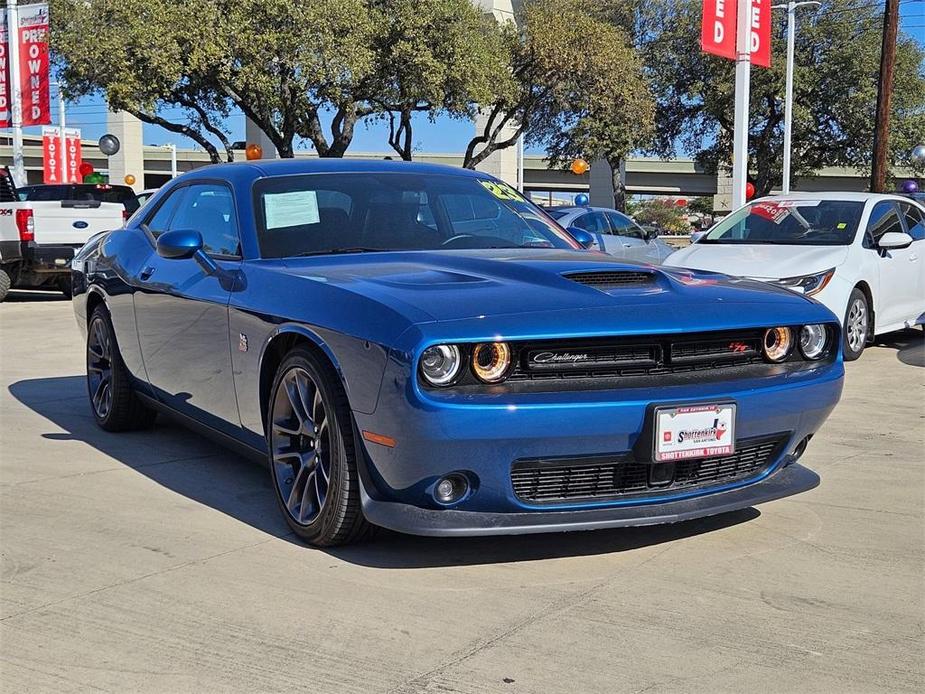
(12, 26)
(791, 8)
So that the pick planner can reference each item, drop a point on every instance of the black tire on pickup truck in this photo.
(5, 283)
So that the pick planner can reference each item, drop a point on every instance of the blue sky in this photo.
(443, 135)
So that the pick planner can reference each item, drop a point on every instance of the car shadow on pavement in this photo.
(909, 345)
(211, 475)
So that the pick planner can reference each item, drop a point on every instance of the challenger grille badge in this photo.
(737, 347)
(242, 342)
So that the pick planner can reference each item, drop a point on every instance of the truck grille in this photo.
(620, 476)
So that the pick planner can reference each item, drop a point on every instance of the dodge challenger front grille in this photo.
(548, 481)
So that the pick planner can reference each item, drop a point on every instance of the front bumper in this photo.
(405, 518)
(482, 437)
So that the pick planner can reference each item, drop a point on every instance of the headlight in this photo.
(440, 364)
(813, 339)
(490, 361)
(808, 284)
(777, 343)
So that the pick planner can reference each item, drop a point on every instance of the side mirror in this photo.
(185, 243)
(651, 233)
(179, 244)
(584, 238)
(895, 239)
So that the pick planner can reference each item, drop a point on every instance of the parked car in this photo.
(421, 348)
(614, 233)
(860, 254)
(38, 239)
(82, 192)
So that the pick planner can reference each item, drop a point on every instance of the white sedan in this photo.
(860, 254)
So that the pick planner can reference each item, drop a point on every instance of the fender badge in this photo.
(242, 342)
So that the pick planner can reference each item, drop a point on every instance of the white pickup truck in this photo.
(39, 239)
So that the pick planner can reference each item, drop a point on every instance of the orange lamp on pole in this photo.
(580, 167)
(253, 151)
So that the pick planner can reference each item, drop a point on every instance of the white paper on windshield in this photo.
(291, 209)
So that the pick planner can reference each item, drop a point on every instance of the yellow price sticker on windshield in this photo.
(502, 191)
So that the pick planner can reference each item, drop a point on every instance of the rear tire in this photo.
(856, 327)
(113, 402)
(5, 283)
(311, 451)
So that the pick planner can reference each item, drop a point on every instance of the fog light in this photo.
(451, 488)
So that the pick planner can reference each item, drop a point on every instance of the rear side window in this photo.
(595, 222)
(915, 220)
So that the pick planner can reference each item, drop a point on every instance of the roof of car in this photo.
(843, 196)
(284, 167)
(580, 208)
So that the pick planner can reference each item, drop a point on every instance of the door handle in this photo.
(146, 273)
(913, 257)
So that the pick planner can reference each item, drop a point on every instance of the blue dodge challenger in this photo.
(421, 348)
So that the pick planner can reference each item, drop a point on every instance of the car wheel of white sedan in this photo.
(857, 325)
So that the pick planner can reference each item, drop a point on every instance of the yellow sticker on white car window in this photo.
(502, 191)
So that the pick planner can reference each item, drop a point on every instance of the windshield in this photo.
(790, 222)
(557, 214)
(355, 212)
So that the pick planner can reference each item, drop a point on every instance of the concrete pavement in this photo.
(157, 562)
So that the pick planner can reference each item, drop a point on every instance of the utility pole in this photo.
(884, 97)
(742, 85)
(791, 8)
(12, 25)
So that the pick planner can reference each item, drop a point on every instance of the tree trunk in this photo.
(619, 187)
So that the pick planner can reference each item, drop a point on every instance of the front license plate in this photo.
(694, 431)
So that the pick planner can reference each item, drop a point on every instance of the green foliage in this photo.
(432, 56)
(835, 78)
(574, 86)
(664, 214)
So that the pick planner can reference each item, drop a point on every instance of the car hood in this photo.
(529, 287)
(763, 261)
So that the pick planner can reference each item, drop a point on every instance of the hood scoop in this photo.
(606, 280)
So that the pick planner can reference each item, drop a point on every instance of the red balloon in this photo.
(86, 168)
(749, 191)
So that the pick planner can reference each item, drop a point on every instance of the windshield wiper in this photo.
(335, 251)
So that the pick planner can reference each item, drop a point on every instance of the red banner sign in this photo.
(5, 115)
(73, 155)
(61, 166)
(718, 28)
(33, 64)
(760, 33)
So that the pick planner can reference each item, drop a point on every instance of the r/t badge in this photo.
(242, 342)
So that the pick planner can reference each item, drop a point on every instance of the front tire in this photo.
(312, 456)
(856, 327)
(113, 402)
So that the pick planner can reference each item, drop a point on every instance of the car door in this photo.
(914, 220)
(595, 222)
(897, 267)
(182, 312)
(632, 238)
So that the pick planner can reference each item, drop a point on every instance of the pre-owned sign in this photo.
(5, 117)
(719, 25)
(32, 35)
(718, 29)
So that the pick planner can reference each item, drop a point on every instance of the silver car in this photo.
(614, 233)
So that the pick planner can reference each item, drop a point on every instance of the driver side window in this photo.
(883, 219)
